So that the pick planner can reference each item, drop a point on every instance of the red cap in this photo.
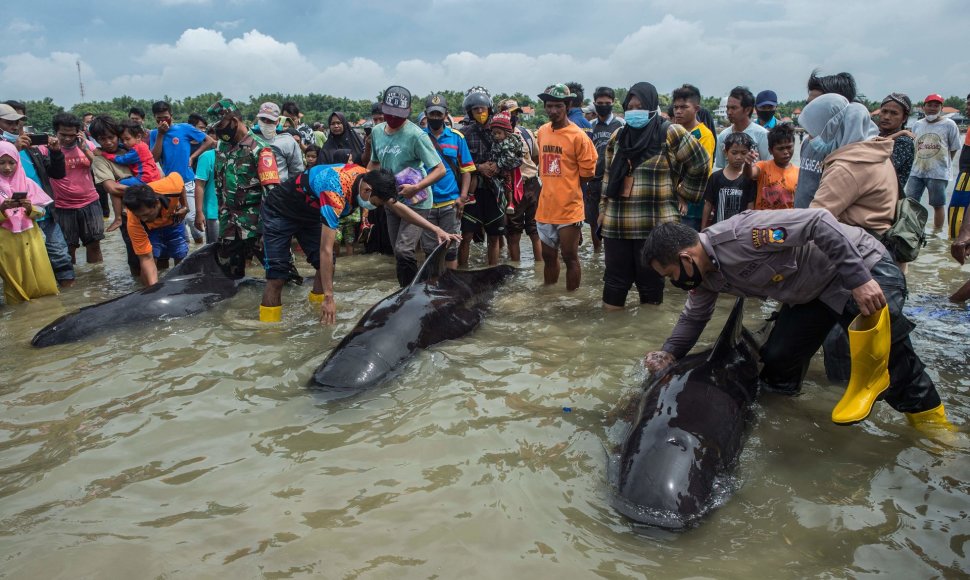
(502, 121)
(933, 97)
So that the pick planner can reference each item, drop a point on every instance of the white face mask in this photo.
(268, 130)
(933, 117)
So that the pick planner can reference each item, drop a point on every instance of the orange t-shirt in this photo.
(776, 186)
(565, 155)
(169, 186)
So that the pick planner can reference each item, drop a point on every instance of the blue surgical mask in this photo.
(638, 118)
(366, 204)
(10, 137)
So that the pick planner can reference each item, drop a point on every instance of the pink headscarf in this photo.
(17, 219)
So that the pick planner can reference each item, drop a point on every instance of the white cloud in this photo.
(21, 26)
(666, 52)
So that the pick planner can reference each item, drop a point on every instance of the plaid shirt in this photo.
(652, 200)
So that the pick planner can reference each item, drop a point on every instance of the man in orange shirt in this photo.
(567, 159)
(155, 214)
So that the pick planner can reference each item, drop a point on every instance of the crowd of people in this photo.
(664, 194)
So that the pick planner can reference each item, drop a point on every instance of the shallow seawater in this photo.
(193, 449)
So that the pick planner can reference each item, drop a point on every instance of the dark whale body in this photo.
(689, 429)
(192, 286)
(440, 304)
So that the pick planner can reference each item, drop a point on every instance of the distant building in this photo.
(721, 111)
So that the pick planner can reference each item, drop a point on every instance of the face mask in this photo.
(765, 116)
(436, 124)
(226, 134)
(10, 137)
(604, 110)
(267, 129)
(685, 282)
(933, 117)
(481, 117)
(394, 122)
(366, 204)
(638, 118)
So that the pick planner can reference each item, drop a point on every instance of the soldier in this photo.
(245, 170)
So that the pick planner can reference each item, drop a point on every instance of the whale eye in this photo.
(678, 443)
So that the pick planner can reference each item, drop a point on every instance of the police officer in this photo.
(824, 273)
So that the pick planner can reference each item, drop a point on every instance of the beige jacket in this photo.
(859, 185)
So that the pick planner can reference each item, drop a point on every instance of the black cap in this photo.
(396, 101)
(437, 103)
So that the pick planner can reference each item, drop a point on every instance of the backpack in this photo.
(907, 236)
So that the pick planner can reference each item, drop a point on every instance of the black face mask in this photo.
(435, 124)
(604, 110)
(227, 133)
(685, 282)
(765, 116)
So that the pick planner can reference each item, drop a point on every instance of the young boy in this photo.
(777, 178)
(729, 191)
(507, 154)
(138, 159)
(310, 156)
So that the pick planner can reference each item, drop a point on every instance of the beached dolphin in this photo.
(440, 304)
(192, 286)
(689, 429)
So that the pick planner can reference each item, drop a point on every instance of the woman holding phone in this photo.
(24, 265)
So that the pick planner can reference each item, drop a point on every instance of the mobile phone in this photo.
(19, 195)
(367, 130)
(39, 139)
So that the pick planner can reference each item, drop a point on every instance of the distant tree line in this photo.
(317, 108)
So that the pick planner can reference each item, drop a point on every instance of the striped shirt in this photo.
(652, 200)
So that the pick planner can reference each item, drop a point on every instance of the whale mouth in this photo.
(652, 517)
(350, 370)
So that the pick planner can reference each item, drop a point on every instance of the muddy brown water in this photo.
(192, 449)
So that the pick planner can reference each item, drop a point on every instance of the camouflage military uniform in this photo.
(244, 172)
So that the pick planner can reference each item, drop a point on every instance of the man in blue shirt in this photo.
(766, 105)
(174, 152)
(575, 112)
(451, 191)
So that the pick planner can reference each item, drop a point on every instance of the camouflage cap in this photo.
(556, 92)
(219, 109)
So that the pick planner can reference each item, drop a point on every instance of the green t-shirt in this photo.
(408, 147)
(206, 170)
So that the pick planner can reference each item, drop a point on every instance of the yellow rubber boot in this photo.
(869, 343)
(316, 298)
(931, 420)
(270, 313)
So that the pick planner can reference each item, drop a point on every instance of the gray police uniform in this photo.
(810, 262)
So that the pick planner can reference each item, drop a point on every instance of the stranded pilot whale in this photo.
(192, 286)
(440, 304)
(689, 428)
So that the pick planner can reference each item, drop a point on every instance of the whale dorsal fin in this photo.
(433, 266)
(730, 336)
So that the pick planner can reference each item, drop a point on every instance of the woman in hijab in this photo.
(651, 164)
(342, 136)
(24, 265)
(893, 114)
(858, 185)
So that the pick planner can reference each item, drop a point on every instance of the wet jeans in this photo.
(800, 329)
(57, 250)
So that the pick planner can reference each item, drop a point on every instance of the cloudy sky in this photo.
(355, 48)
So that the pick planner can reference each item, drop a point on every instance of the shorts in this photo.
(935, 187)
(549, 233)
(484, 213)
(278, 231)
(446, 218)
(169, 242)
(524, 218)
(82, 226)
